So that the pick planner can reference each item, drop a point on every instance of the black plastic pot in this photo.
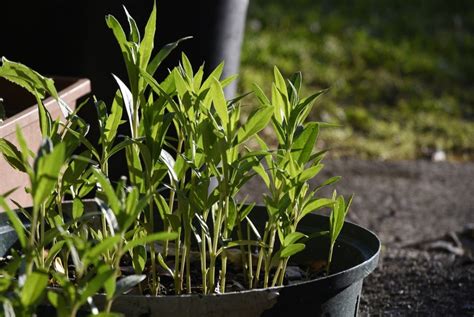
(355, 256)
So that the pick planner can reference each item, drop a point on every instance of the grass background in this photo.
(400, 73)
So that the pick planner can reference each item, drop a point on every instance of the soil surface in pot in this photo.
(424, 214)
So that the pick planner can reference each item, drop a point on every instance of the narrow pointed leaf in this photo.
(256, 122)
(127, 100)
(34, 288)
(292, 249)
(146, 46)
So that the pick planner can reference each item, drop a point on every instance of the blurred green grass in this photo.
(400, 73)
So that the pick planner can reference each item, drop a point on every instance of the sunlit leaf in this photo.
(34, 288)
(126, 283)
(257, 121)
(291, 250)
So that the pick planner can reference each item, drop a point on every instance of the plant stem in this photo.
(277, 272)
(185, 261)
(249, 262)
(268, 258)
(213, 253)
(43, 216)
(177, 276)
(283, 271)
(224, 254)
(331, 249)
(154, 282)
(243, 254)
(203, 263)
(261, 254)
(31, 242)
(172, 194)
(105, 234)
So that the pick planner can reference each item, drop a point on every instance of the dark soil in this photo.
(424, 214)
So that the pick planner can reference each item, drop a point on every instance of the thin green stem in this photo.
(268, 258)
(283, 271)
(224, 254)
(277, 272)
(42, 228)
(204, 262)
(250, 260)
(331, 249)
(243, 254)
(177, 276)
(261, 253)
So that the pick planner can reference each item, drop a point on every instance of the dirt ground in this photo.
(424, 214)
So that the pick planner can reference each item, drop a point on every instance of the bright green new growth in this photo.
(185, 185)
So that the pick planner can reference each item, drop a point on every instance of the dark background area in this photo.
(55, 37)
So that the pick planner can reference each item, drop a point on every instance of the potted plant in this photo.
(17, 109)
(169, 236)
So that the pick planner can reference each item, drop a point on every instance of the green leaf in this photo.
(77, 208)
(338, 216)
(119, 147)
(168, 160)
(279, 105)
(47, 168)
(163, 264)
(263, 174)
(227, 81)
(27, 78)
(260, 95)
(329, 181)
(291, 250)
(304, 143)
(139, 258)
(187, 65)
(296, 79)
(239, 243)
(34, 82)
(162, 54)
(147, 44)
(216, 74)
(220, 104)
(127, 100)
(15, 221)
(292, 238)
(162, 205)
(279, 81)
(256, 122)
(134, 32)
(12, 155)
(119, 34)
(93, 255)
(95, 284)
(127, 283)
(310, 173)
(231, 216)
(55, 249)
(109, 215)
(159, 236)
(113, 121)
(109, 284)
(107, 189)
(34, 288)
(316, 204)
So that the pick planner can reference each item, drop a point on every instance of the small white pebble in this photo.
(438, 156)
